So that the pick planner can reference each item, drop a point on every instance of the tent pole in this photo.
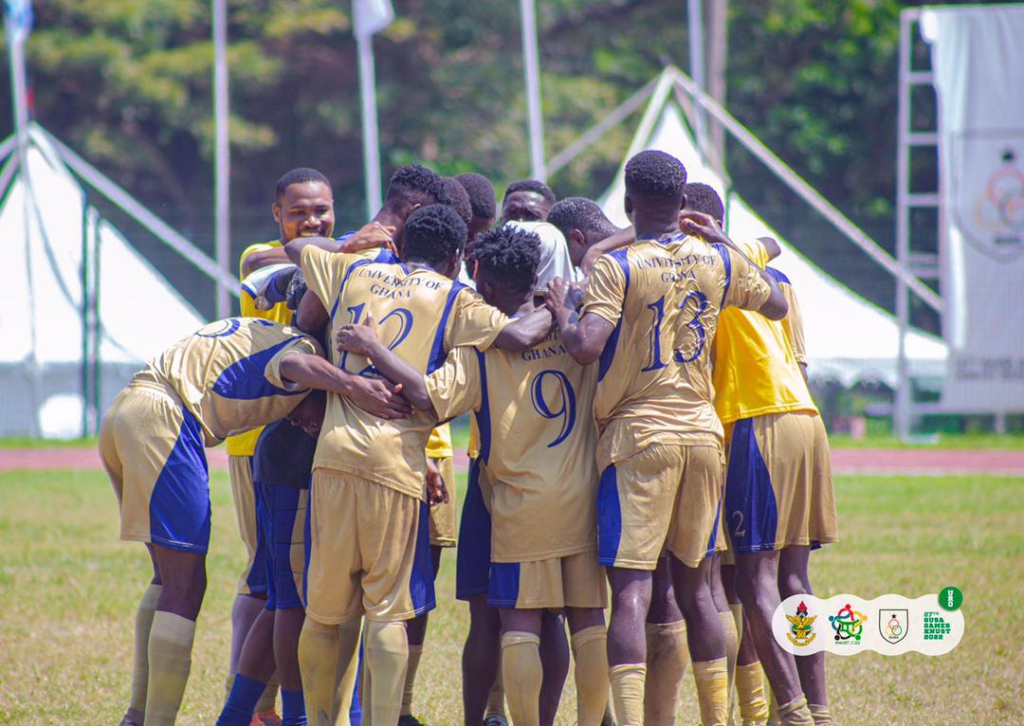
(85, 315)
(531, 69)
(371, 129)
(696, 28)
(222, 164)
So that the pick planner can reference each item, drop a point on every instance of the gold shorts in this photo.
(443, 525)
(253, 580)
(153, 451)
(663, 497)
(779, 484)
(369, 551)
(576, 581)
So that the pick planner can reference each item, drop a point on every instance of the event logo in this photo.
(893, 624)
(988, 191)
(848, 624)
(801, 627)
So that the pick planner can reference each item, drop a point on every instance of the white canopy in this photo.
(848, 338)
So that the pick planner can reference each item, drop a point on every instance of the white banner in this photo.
(978, 60)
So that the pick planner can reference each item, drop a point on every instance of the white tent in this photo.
(848, 338)
(56, 335)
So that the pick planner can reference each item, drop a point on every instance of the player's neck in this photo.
(656, 227)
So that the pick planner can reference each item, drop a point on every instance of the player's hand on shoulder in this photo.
(357, 338)
(369, 236)
(379, 397)
(554, 298)
(702, 225)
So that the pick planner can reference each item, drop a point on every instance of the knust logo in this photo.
(893, 625)
(848, 624)
(801, 627)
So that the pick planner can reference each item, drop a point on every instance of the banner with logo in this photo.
(978, 60)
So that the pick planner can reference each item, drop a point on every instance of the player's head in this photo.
(506, 262)
(481, 199)
(458, 198)
(411, 186)
(309, 415)
(701, 197)
(304, 205)
(655, 183)
(583, 224)
(435, 235)
(527, 200)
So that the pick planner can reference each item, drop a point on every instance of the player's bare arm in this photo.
(525, 332)
(368, 237)
(608, 244)
(584, 337)
(362, 340)
(703, 226)
(263, 258)
(373, 395)
(771, 247)
(311, 316)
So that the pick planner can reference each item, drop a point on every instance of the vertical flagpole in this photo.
(16, 47)
(222, 160)
(371, 148)
(531, 68)
(696, 23)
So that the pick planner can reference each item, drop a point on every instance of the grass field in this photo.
(69, 590)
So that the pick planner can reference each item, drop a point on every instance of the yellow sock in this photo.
(386, 652)
(750, 693)
(712, 679)
(347, 670)
(590, 650)
(318, 663)
(268, 701)
(773, 704)
(522, 673)
(737, 617)
(140, 662)
(821, 715)
(627, 682)
(496, 698)
(796, 713)
(668, 659)
(415, 653)
(170, 659)
(732, 649)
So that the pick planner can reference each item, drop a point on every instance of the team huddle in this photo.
(642, 438)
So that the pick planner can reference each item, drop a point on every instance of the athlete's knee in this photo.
(792, 583)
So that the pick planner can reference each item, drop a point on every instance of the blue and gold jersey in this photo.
(654, 376)
(537, 442)
(227, 374)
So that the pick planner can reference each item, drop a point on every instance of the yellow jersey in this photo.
(756, 371)
(537, 442)
(793, 323)
(664, 297)
(422, 315)
(439, 445)
(227, 374)
(245, 444)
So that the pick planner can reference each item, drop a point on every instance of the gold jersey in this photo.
(537, 442)
(664, 297)
(227, 374)
(422, 315)
(756, 371)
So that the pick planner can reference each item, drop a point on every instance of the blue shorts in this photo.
(473, 559)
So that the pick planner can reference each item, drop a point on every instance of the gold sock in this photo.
(732, 649)
(318, 663)
(386, 652)
(496, 698)
(522, 673)
(712, 679)
(796, 713)
(736, 609)
(170, 659)
(347, 670)
(750, 693)
(668, 659)
(627, 681)
(821, 715)
(140, 663)
(268, 701)
(773, 704)
(590, 651)
(415, 653)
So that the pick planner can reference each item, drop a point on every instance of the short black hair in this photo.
(434, 233)
(532, 185)
(509, 254)
(302, 175)
(481, 194)
(458, 199)
(416, 184)
(655, 174)
(582, 214)
(701, 197)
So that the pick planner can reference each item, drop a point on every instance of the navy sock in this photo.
(293, 708)
(245, 694)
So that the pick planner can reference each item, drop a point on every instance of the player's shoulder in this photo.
(261, 247)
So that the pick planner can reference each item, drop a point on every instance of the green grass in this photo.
(993, 442)
(24, 442)
(69, 590)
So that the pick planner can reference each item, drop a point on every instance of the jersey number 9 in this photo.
(565, 402)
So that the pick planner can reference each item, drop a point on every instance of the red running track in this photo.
(844, 461)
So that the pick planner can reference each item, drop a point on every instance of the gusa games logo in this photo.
(801, 626)
(848, 624)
